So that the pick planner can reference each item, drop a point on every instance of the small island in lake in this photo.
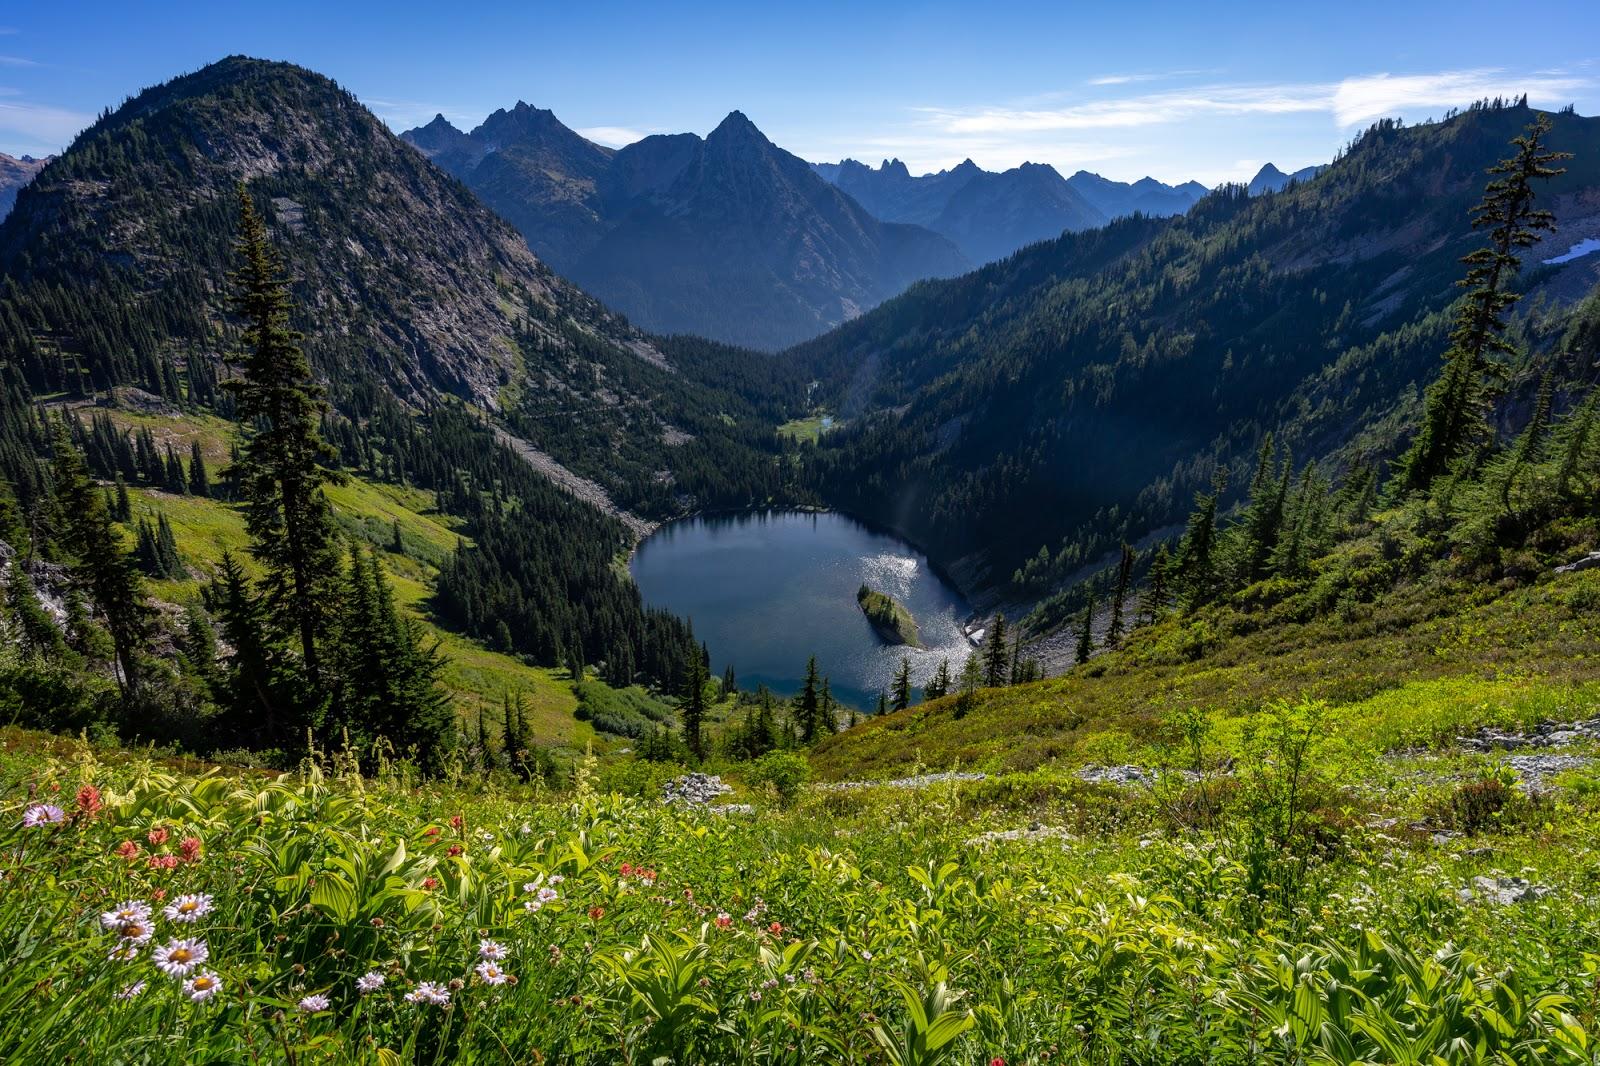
(892, 622)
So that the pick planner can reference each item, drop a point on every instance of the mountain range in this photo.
(14, 174)
(989, 215)
(1021, 421)
(727, 236)
(405, 283)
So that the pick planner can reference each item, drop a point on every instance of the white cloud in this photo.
(16, 61)
(1129, 79)
(1350, 102)
(1357, 101)
(612, 136)
(41, 124)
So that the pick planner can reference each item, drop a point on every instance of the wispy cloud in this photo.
(1350, 102)
(41, 124)
(1360, 100)
(612, 136)
(16, 61)
(1130, 79)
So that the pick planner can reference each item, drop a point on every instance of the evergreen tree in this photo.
(729, 683)
(1119, 598)
(1197, 563)
(995, 653)
(1086, 631)
(883, 704)
(397, 544)
(122, 510)
(939, 684)
(1455, 418)
(829, 709)
(280, 471)
(199, 480)
(807, 705)
(1262, 522)
(1157, 590)
(900, 694)
(256, 713)
(971, 679)
(102, 569)
(1529, 448)
(38, 633)
(692, 707)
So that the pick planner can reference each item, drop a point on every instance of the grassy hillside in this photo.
(1299, 901)
(1414, 668)
(369, 512)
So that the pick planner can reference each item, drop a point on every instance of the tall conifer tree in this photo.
(281, 469)
(1455, 418)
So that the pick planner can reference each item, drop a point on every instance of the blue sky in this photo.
(1176, 90)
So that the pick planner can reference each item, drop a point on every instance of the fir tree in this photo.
(102, 568)
(995, 653)
(1086, 631)
(883, 704)
(199, 480)
(807, 707)
(1455, 418)
(692, 707)
(900, 694)
(971, 679)
(829, 708)
(1119, 597)
(37, 631)
(1196, 565)
(939, 684)
(1262, 522)
(255, 710)
(280, 472)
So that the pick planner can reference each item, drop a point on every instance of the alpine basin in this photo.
(766, 590)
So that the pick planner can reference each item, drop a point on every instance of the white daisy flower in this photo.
(180, 957)
(202, 986)
(428, 992)
(554, 879)
(189, 908)
(490, 974)
(42, 814)
(135, 931)
(548, 895)
(131, 991)
(530, 886)
(125, 951)
(488, 949)
(533, 906)
(132, 910)
(369, 982)
(313, 1004)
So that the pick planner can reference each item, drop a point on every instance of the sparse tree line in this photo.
(1466, 491)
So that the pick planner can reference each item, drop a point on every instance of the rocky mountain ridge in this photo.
(726, 236)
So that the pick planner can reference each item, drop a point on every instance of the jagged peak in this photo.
(736, 125)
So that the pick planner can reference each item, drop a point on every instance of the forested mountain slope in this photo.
(728, 237)
(1081, 392)
(427, 321)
